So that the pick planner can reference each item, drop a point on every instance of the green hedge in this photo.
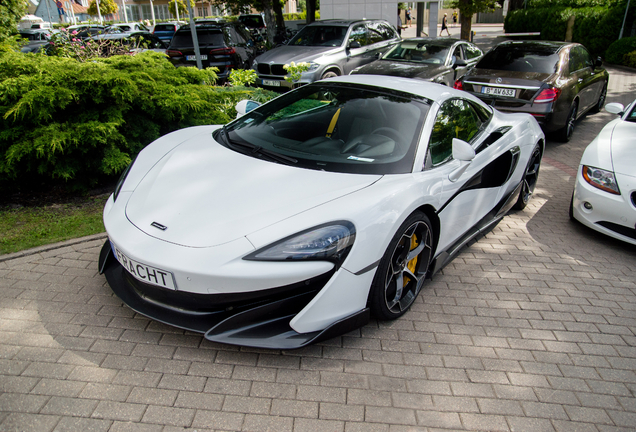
(617, 50)
(596, 27)
(80, 124)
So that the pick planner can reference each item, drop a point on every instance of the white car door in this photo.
(471, 189)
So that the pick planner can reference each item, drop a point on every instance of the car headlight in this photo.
(313, 66)
(601, 179)
(328, 242)
(121, 180)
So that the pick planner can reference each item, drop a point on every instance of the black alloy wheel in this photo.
(530, 177)
(566, 133)
(601, 100)
(403, 268)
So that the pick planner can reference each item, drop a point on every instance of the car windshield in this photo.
(335, 127)
(520, 59)
(251, 21)
(631, 117)
(418, 52)
(164, 27)
(206, 37)
(319, 36)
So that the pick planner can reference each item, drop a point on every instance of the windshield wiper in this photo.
(247, 148)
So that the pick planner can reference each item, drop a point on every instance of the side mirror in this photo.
(457, 62)
(245, 106)
(464, 153)
(615, 108)
(354, 44)
(598, 62)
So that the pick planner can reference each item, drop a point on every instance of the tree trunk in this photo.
(270, 20)
(311, 11)
(280, 21)
(465, 19)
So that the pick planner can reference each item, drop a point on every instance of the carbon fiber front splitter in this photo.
(246, 320)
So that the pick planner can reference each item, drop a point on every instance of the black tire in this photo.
(530, 177)
(601, 100)
(329, 74)
(403, 268)
(566, 132)
(571, 212)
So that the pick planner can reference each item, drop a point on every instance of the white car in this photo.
(296, 221)
(604, 196)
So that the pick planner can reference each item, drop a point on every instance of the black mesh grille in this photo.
(278, 70)
(620, 229)
(263, 68)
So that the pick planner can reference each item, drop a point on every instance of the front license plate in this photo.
(143, 272)
(498, 91)
(272, 83)
(194, 58)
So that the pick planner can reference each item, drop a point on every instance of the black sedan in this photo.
(556, 82)
(437, 60)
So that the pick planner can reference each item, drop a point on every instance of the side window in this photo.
(359, 34)
(577, 61)
(586, 57)
(458, 52)
(388, 31)
(471, 52)
(375, 35)
(456, 119)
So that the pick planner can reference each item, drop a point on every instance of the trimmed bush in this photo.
(617, 50)
(79, 124)
(596, 27)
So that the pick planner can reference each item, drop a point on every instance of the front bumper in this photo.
(612, 215)
(257, 319)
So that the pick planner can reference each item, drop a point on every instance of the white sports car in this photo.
(295, 222)
(604, 196)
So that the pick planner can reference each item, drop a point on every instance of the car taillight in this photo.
(458, 85)
(226, 51)
(548, 95)
(174, 53)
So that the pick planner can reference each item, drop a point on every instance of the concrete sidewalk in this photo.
(485, 35)
(532, 328)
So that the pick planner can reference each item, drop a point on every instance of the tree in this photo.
(106, 7)
(272, 16)
(468, 8)
(10, 13)
(311, 11)
(183, 9)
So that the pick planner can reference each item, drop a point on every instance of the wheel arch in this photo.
(332, 68)
(431, 213)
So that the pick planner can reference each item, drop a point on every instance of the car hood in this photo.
(289, 53)
(207, 195)
(402, 69)
(624, 148)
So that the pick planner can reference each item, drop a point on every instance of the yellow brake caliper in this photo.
(413, 263)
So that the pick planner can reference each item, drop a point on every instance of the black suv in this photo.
(225, 45)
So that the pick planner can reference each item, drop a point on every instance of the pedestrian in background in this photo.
(408, 17)
(444, 25)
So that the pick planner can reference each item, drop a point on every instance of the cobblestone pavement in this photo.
(532, 328)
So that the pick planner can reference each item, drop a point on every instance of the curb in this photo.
(52, 246)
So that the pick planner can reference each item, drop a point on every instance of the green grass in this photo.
(26, 227)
